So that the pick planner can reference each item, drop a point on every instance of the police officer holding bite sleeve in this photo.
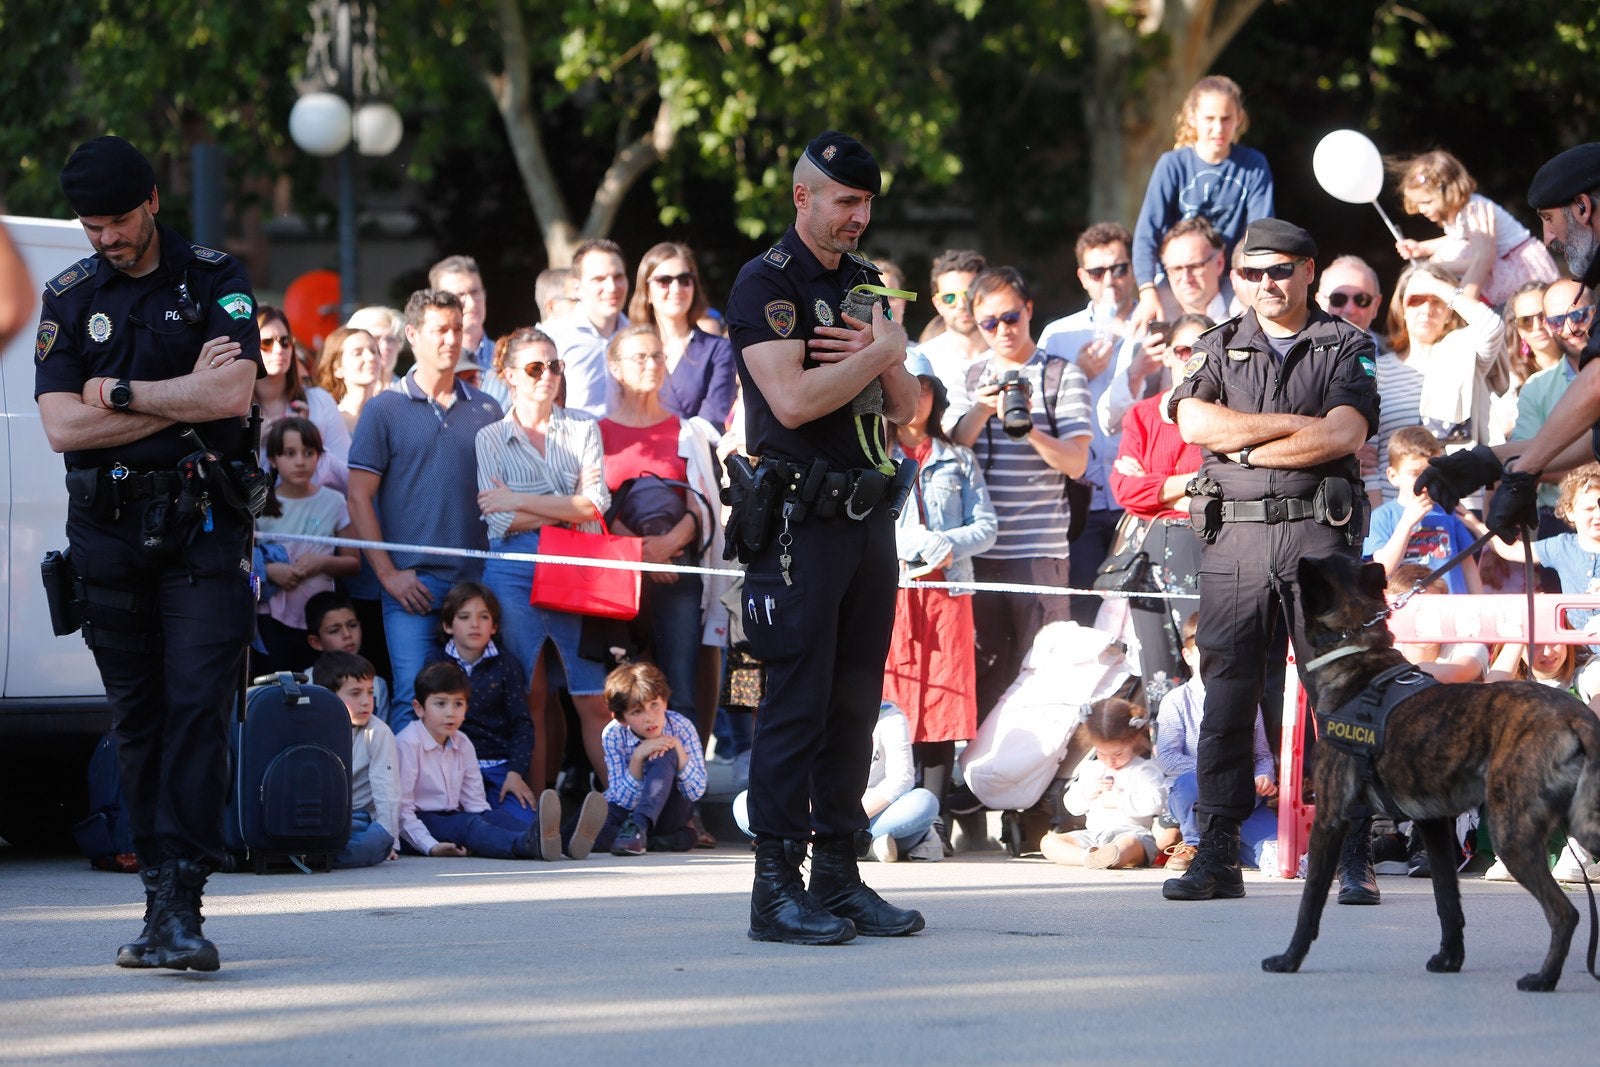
(1280, 398)
(812, 520)
(145, 359)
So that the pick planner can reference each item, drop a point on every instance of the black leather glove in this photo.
(1449, 478)
(1515, 505)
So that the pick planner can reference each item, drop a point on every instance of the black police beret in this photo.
(107, 176)
(845, 160)
(1577, 170)
(1275, 235)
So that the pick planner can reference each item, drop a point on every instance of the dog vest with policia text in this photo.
(1356, 727)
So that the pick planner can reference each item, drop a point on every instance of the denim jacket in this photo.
(960, 517)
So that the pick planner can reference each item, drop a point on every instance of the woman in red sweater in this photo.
(1148, 478)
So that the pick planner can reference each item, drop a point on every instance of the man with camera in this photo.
(1280, 398)
(1026, 415)
(145, 360)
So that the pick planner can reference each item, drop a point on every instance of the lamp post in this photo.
(337, 114)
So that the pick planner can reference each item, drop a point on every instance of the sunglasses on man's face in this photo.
(950, 296)
(1278, 272)
(992, 323)
(1118, 270)
(1360, 300)
(1577, 318)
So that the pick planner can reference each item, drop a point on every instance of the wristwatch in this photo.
(121, 395)
(1244, 456)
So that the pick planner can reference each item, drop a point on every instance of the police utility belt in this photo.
(1335, 503)
(764, 494)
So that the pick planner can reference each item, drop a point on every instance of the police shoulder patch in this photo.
(781, 316)
(778, 256)
(48, 332)
(1369, 366)
(1196, 361)
(208, 255)
(237, 305)
(73, 275)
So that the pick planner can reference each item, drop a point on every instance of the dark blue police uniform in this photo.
(822, 632)
(1248, 573)
(169, 624)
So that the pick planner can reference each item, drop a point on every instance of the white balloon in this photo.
(320, 123)
(1347, 164)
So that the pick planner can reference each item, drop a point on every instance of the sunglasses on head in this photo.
(536, 368)
(992, 323)
(1278, 272)
(949, 297)
(667, 281)
(1575, 318)
(1360, 300)
(1118, 270)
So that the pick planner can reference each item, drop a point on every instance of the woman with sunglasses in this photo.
(542, 464)
(1148, 480)
(281, 392)
(669, 295)
(1530, 348)
(1457, 344)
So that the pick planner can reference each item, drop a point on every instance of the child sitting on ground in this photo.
(1178, 745)
(374, 777)
(332, 626)
(655, 768)
(1117, 789)
(1411, 528)
(443, 811)
(498, 723)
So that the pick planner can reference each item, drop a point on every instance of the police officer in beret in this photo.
(1566, 194)
(1280, 398)
(145, 359)
(821, 364)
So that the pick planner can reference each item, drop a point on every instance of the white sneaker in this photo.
(885, 849)
(1571, 863)
(1497, 872)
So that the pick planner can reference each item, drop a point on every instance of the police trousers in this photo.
(170, 706)
(823, 640)
(1248, 578)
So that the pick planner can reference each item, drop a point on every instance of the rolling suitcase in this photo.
(290, 798)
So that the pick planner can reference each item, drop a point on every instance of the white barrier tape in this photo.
(676, 568)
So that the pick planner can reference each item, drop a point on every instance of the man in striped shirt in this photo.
(1027, 476)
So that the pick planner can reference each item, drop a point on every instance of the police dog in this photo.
(1531, 751)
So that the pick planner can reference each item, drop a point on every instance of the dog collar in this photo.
(1328, 657)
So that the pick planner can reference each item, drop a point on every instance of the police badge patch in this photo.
(1239, 354)
(824, 313)
(47, 337)
(1196, 361)
(237, 305)
(100, 327)
(780, 316)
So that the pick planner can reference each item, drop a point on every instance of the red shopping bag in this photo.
(607, 592)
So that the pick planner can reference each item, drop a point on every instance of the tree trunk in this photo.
(1131, 100)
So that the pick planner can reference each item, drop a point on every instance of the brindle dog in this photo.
(1531, 751)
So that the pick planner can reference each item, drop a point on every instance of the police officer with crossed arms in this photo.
(145, 359)
(822, 365)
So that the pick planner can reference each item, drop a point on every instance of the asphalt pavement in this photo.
(644, 960)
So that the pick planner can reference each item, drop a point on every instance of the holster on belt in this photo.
(1205, 507)
(61, 593)
(749, 494)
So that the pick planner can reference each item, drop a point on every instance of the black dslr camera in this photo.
(1016, 413)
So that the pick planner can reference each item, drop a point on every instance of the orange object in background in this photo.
(312, 304)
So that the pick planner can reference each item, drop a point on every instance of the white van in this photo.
(52, 706)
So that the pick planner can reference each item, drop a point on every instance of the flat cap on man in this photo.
(107, 176)
(845, 160)
(1577, 170)
(1266, 236)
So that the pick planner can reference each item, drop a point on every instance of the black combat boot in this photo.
(178, 944)
(137, 953)
(1358, 883)
(780, 907)
(1214, 871)
(837, 885)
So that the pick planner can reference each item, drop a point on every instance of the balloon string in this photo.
(1387, 221)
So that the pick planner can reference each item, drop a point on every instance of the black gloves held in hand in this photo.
(1449, 478)
(1515, 506)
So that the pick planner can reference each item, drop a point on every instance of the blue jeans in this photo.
(369, 845)
(1260, 827)
(414, 641)
(494, 779)
(907, 818)
(669, 617)
(491, 833)
(662, 811)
